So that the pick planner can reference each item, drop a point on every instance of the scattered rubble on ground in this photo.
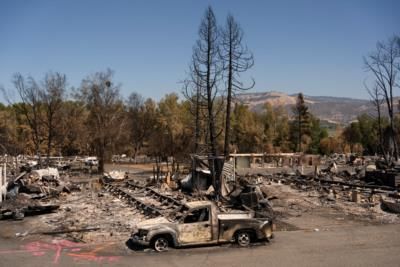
(89, 208)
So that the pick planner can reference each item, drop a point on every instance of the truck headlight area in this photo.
(143, 234)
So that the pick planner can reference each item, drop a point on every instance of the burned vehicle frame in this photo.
(200, 223)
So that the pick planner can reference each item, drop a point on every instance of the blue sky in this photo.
(315, 47)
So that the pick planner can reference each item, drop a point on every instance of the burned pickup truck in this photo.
(200, 223)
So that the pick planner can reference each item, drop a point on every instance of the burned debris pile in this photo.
(20, 206)
(231, 192)
(340, 184)
(33, 193)
(88, 208)
(40, 184)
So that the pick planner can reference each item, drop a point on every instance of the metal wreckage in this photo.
(205, 222)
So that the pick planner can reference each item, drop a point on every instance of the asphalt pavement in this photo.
(377, 245)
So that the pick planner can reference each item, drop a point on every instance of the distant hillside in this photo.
(338, 110)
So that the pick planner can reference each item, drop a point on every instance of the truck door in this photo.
(196, 227)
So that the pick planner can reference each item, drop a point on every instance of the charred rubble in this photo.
(33, 193)
(85, 207)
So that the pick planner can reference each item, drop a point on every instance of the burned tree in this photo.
(301, 123)
(205, 74)
(40, 106)
(52, 95)
(193, 93)
(198, 107)
(105, 107)
(30, 107)
(237, 59)
(140, 123)
(384, 64)
(206, 70)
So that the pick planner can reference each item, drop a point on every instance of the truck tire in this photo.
(160, 243)
(243, 238)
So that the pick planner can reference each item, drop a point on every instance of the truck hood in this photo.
(152, 223)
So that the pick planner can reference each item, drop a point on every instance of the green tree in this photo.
(352, 135)
(301, 124)
(269, 118)
(73, 137)
(141, 120)
(171, 122)
(9, 142)
(276, 128)
(317, 134)
(369, 133)
(248, 130)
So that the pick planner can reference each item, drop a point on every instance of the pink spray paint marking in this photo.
(72, 249)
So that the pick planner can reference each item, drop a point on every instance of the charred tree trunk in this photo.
(236, 59)
(299, 133)
(228, 103)
(380, 133)
(197, 120)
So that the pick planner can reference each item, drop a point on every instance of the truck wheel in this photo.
(160, 244)
(243, 239)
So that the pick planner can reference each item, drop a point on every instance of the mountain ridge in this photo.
(339, 110)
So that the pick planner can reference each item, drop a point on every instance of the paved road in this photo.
(347, 246)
